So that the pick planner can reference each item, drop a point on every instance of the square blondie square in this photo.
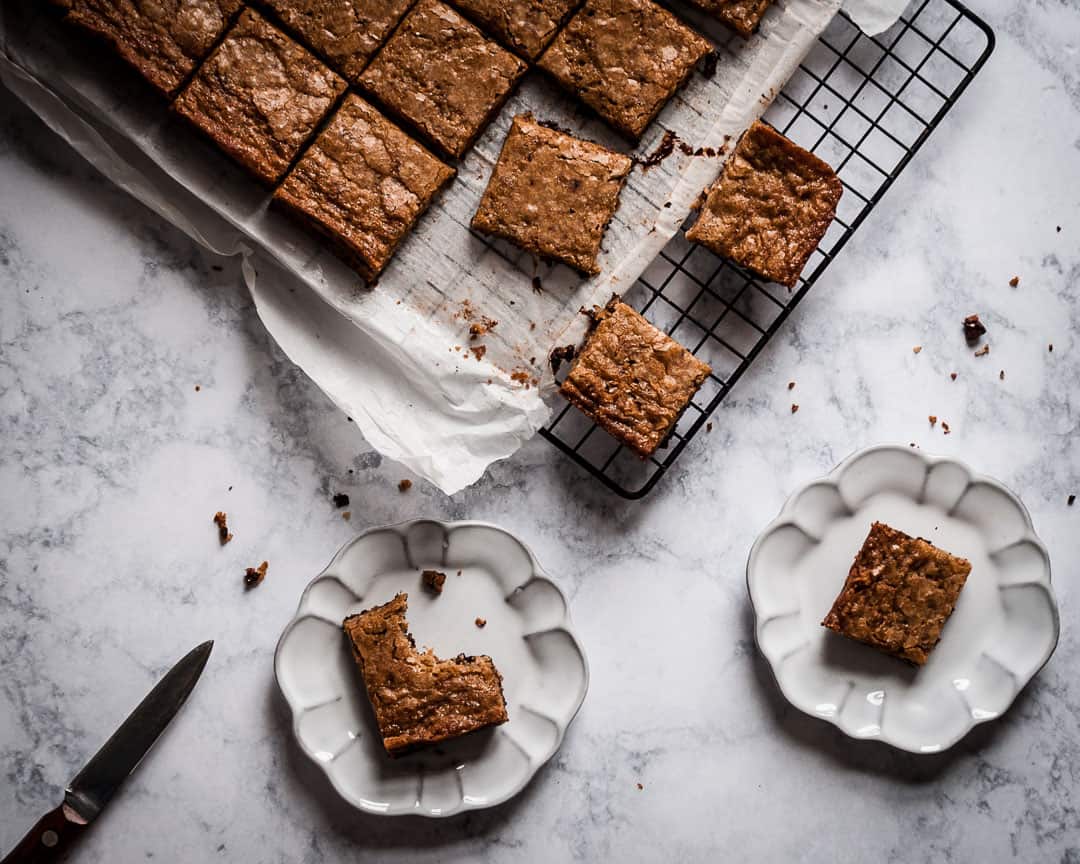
(526, 27)
(770, 208)
(632, 379)
(742, 16)
(442, 75)
(419, 699)
(898, 595)
(624, 59)
(552, 194)
(259, 96)
(363, 183)
(163, 40)
(346, 32)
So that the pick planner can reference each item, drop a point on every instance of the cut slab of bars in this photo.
(345, 32)
(632, 379)
(899, 594)
(259, 96)
(742, 16)
(363, 183)
(163, 40)
(771, 206)
(526, 27)
(624, 59)
(443, 76)
(552, 194)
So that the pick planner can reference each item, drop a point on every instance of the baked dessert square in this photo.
(770, 207)
(163, 40)
(259, 96)
(633, 379)
(442, 75)
(417, 698)
(347, 33)
(898, 595)
(524, 26)
(363, 183)
(624, 59)
(552, 194)
(742, 16)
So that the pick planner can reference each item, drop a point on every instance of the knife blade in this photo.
(99, 779)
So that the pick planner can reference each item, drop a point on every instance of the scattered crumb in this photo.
(230, 488)
(794, 407)
(198, 387)
(952, 375)
(458, 572)
(1014, 281)
(973, 329)
(640, 787)
(221, 520)
(945, 427)
(522, 376)
(933, 419)
(982, 352)
(405, 485)
(537, 285)
(1051, 346)
(708, 69)
(484, 325)
(916, 349)
(1001, 375)
(559, 355)
(341, 500)
(218, 268)
(347, 515)
(349, 419)
(708, 426)
(350, 471)
(532, 325)
(1058, 229)
(479, 351)
(790, 385)
(912, 444)
(662, 151)
(1071, 500)
(255, 575)
(481, 623)
(433, 580)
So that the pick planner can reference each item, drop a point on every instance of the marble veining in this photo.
(112, 464)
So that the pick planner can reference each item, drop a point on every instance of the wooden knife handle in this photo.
(49, 840)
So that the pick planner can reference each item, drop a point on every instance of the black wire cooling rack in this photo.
(864, 104)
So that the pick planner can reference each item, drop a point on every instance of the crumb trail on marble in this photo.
(341, 500)
(253, 576)
(222, 521)
(405, 485)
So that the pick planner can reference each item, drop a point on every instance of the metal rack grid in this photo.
(864, 104)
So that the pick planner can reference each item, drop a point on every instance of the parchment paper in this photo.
(397, 356)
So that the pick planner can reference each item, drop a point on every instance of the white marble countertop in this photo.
(112, 463)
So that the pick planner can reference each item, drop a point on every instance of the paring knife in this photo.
(91, 790)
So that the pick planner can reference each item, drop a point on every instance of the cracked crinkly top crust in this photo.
(900, 592)
(624, 59)
(771, 206)
(552, 194)
(363, 182)
(742, 16)
(259, 96)
(442, 74)
(632, 379)
(419, 699)
(162, 39)
(525, 26)
(346, 32)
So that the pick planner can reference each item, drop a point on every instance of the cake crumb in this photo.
(952, 375)
(198, 388)
(1001, 375)
(982, 352)
(346, 515)
(559, 355)
(1051, 347)
(640, 787)
(708, 426)
(405, 485)
(790, 385)
(479, 328)
(481, 623)
(253, 576)
(479, 351)
(433, 580)
(912, 444)
(973, 329)
(221, 520)
(916, 349)
(794, 407)
(945, 427)
(933, 419)
(341, 500)
(458, 572)
(1014, 281)
(1071, 500)
(537, 285)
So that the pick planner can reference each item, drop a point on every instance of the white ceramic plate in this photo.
(1004, 628)
(528, 635)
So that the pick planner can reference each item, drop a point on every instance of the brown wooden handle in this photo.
(49, 840)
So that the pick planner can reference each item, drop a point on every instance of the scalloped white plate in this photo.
(528, 634)
(1004, 627)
